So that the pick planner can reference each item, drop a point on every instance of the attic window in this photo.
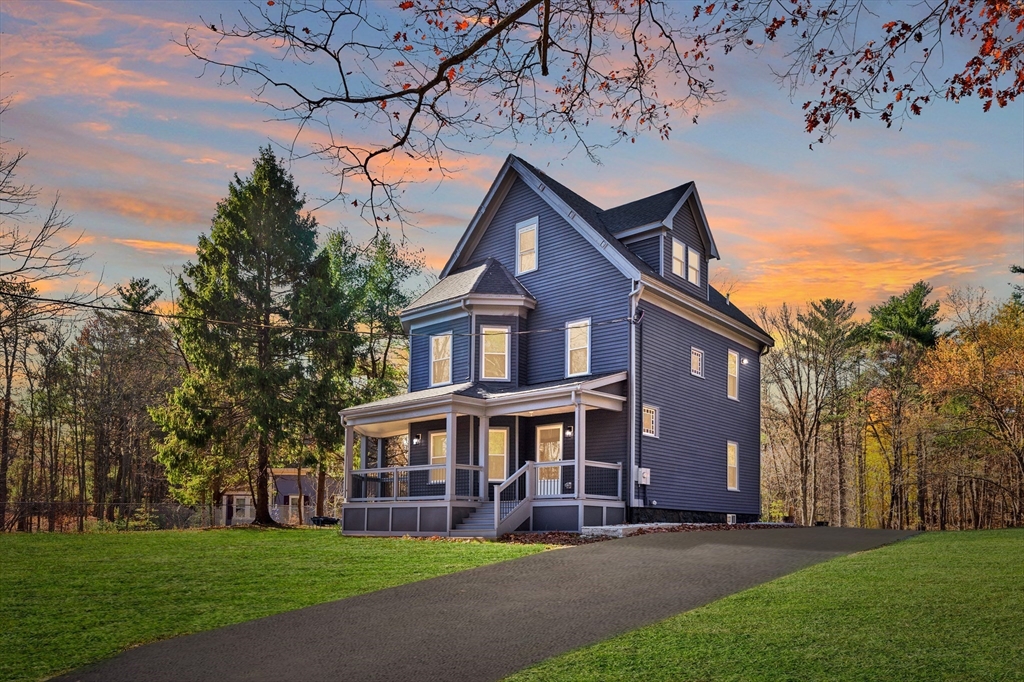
(678, 262)
(693, 271)
(526, 239)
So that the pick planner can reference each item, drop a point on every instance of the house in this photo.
(236, 503)
(572, 367)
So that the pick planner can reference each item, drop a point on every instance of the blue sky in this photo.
(120, 120)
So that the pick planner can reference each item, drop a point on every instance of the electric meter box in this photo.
(643, 476)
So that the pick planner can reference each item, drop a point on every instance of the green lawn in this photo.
(69, 600)
(940, 606)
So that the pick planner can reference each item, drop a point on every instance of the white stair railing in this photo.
(512, 500)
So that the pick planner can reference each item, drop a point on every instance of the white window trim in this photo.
(657, 420)
(451, 354)
(521, 227)
(735, 445)
(681, 260)
(692, 254)
(504, 456)
(508, 351)
(700, 353)
(572, 325)
(736, 355)
(436, 475)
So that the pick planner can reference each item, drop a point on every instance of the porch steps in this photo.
(479, 524)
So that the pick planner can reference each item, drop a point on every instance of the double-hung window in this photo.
(494, 342)
(577, 348)
(732, 466)
(696, 362)
(693, 266)
(240, 503)
(438, 455)
(497, 454)
(678, 258)
(650, 421)
(526, 246)
(734, 375)
(440, 359)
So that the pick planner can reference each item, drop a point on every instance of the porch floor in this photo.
(489, 622)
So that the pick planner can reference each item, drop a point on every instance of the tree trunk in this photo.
(302, 498)
(5, 424)
(321, 482)
(922, 483)
(263, 517)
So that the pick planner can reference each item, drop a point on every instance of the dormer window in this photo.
(693, 269)
(441, 359)
(526, 239)
(494, 341)
(577, 348)
(678, 258)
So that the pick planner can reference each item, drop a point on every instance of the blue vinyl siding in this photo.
(573, 281)
(419, 454)
(608, 436)
(513, 362)
(688, 459)
(684, 228)
(419, 357)
(649, 251)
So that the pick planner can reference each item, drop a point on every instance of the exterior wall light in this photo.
(568, 432)
(416, 439)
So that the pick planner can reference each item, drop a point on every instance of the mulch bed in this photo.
(568, 539)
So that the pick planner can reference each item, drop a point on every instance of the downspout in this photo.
(472, 341)
(634, 300)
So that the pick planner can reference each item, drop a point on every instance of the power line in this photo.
(274, 327)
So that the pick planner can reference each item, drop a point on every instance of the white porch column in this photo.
(350, 438)
(449, 488)
(485, 450)
(580, 431)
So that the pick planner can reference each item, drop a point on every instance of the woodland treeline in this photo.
(896, 422)
(115, 406)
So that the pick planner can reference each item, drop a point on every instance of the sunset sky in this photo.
(120, 120)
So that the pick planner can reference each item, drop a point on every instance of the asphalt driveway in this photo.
(489, 622)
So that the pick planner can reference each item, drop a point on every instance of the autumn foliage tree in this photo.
(981, 366)
(394, 90)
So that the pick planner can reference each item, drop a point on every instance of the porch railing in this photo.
(467, 481)
(555, 479)
(603, 480)
(425, 482)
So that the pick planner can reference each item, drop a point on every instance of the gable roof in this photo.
(598, 226)
(644, 211)
(487, 277)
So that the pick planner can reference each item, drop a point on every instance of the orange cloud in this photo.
(136, 207)
(156, 247)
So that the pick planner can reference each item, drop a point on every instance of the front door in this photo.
(549, 449)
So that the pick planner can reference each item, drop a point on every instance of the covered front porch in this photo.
(466, 461)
